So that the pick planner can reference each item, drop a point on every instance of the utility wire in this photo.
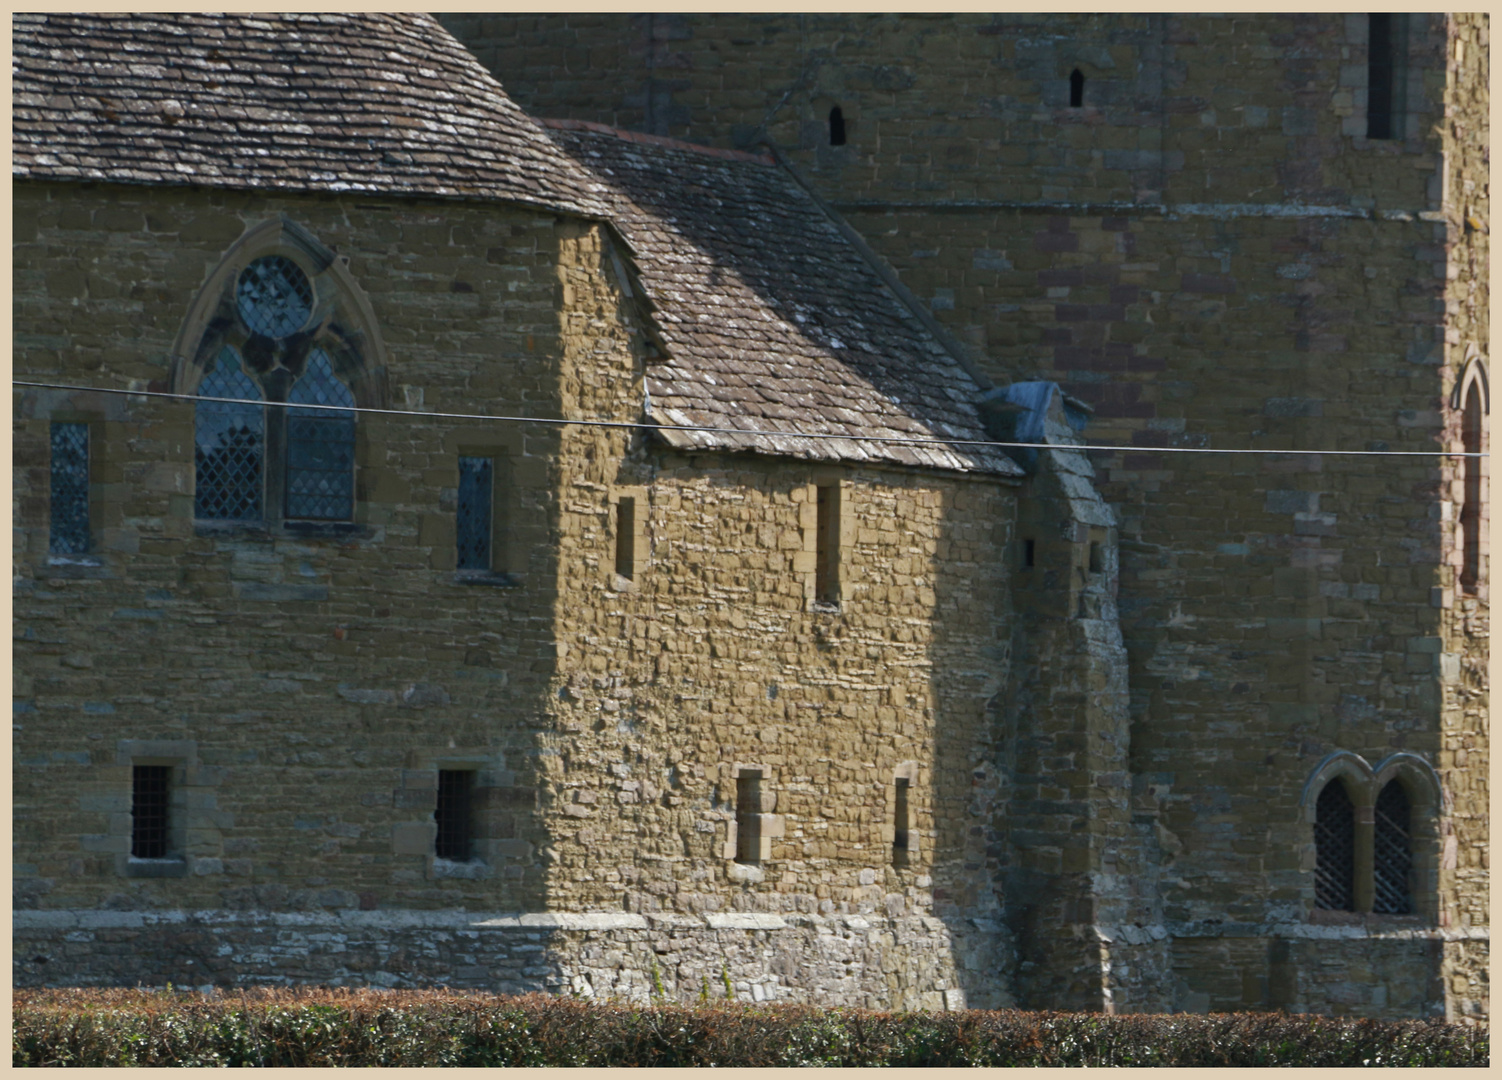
(638, 425)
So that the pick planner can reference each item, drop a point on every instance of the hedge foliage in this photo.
(322, 1027)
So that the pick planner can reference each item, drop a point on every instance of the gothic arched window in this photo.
(1392, 852)
(279, 321)
(1335, 849)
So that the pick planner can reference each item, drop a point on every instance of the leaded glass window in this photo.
(70, 489)
(320, 445)
(1334, 849)
(1392, 854)
(229, 444)
(274, 296)
(476, 484)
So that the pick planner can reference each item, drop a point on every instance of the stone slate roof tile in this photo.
(349, 102)
(772, 321)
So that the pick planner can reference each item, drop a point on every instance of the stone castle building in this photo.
(849, 509)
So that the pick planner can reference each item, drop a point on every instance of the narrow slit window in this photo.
(827, 546)
(70, 490)
(836, 127)
(1076, 89)
(1392, 852)
(1470, 509)
(1029, 554)
(454, 814)
(476, 495)
(625, 538)
(150, 811)
(748, 818)
(900, 822)
(1386, 70)
(1334, 849)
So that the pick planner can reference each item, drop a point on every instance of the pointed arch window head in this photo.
(1335, 849)
(279, 320)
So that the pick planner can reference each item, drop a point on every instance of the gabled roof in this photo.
(772, 321)
(310, 102)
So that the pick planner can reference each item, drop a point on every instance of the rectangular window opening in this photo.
(1097, 557)
(69, 526)
(150, 811)
(900, 823)
(625, 538)
(1387, 72)
(827, 546)
(748, 817)
(454, 814)
(473, 527)
(1029, 554)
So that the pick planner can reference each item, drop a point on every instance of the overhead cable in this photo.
(642, 425)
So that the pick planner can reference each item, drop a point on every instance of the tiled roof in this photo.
(345, 102)
(771, 320)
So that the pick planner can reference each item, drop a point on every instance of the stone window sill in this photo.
(494, 578)
(156, 868)
(303, 530)
(472, 869)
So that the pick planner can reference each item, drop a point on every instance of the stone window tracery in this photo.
(279, 320)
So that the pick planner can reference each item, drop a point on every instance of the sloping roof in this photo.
(343, 103)
(772, 321)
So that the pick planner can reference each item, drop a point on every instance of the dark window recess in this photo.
(748, 818)
(625, 537)
(455, 814)
(1076, 89)
(1029, 554)
(1470, 509)
(1334, 849)
(1386, 71)
(1097, 557)
(836, 127)
(320, 446)
(476, 487)
(900, 822)
(1392, 853)
(827, 546)
(229, 444)
(149, 811)
(70, 490)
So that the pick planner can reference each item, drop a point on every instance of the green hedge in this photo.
(321, 1027)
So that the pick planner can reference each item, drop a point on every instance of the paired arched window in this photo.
(279, 322)
(1373, 829)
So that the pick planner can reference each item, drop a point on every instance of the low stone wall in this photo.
(914, 962)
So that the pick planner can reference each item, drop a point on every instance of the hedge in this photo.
(340, 1027)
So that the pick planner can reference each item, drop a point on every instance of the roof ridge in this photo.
(655, 140)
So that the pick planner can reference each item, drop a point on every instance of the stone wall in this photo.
(876, 961)
(307, 688)
(1211, 253)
